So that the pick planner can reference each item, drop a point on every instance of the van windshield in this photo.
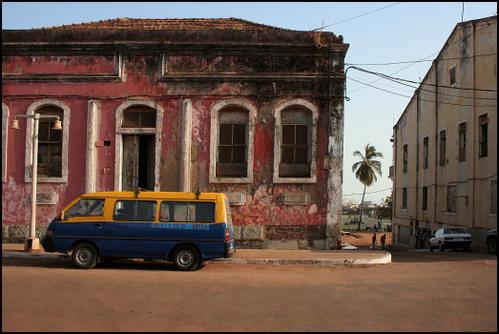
(86, 207)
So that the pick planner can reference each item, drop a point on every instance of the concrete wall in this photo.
(471, 50)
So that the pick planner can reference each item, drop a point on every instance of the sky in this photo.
(377, 32)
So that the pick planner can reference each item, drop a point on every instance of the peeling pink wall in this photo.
(263, 205)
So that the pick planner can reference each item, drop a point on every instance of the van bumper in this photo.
(48, 243)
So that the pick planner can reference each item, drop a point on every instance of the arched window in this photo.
(139, 117)
(49, 143)
(232, 155)
(231, 144)
(295, 142)
(52, 144)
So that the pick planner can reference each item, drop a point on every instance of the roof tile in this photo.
(169, 24)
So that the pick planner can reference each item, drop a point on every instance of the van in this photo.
(185, 228)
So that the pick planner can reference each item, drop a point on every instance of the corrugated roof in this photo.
(169, 24)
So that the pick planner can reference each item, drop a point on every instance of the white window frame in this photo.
(215, 112)
(119, 131)
(65, 141)
(279, 107)
(5, 127)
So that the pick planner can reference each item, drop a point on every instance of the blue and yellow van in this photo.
(185, 228)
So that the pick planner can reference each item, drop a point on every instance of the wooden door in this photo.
(130, 167)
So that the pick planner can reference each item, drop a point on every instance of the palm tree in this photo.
(365, 170)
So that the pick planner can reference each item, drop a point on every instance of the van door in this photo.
(83, 221)
(132, 232)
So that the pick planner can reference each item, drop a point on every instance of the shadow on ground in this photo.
(65, 263)
(436, 256)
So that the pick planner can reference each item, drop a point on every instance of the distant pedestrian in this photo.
(374, 240)
(383, 239)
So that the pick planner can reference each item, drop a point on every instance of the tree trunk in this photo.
(361, 207)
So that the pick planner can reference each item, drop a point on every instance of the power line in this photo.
(435, 53)
(439, 93)
(385, 76)
(372, 192)
(419, 61)
(443, 94)
(354, 17)
(403, 95)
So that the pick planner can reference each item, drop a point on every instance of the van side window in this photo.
(187, 212)
(135, 210)
(86, 207)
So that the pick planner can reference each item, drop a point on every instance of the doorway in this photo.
(138, 162)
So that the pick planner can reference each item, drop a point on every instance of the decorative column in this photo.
(335, 167)
(91, 152)
(185, 146)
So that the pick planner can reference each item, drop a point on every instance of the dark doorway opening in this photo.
(138, 162)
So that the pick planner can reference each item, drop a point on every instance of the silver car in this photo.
(453, 238)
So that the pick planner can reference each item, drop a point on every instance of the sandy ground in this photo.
(418, 291)
(364, 239)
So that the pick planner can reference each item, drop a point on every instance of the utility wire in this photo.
(354, 17)
(419, 61)
(435, 53)
(410, 97)
(372, 192)
(385, 76)
(438, 93)
(443, 94)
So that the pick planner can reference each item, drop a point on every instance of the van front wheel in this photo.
(186, 258)
(85, 255)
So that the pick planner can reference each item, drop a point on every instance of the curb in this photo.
(26, 255)
(324, 262)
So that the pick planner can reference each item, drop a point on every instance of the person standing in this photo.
(383, 239)
(374, 240)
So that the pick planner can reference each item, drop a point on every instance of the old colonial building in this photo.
(445, 155)
(221, 105)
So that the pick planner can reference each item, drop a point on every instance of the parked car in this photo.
(491, 241)
(452, 238)
(185, 228)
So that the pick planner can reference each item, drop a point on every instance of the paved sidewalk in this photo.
(254, 256)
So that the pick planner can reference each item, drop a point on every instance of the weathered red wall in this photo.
(141, 80)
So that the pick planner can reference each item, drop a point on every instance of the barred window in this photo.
(49, 143)
(295, 143)
(232, 157)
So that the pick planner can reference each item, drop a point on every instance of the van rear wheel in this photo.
(85, 255)
(186, 258)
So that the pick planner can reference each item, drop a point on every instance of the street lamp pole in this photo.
(32, 243)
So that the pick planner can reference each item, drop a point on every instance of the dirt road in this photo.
(452, 291)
